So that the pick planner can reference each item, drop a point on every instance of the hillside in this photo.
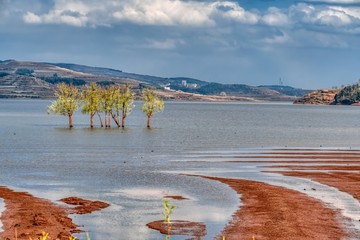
(287, 90)
(37, 80)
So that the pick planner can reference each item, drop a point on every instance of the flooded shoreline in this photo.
(135, 168)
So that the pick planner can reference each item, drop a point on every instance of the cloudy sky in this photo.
(308, 44)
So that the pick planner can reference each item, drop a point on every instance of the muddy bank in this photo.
(271, 212)
(28, 216)
(344, 181)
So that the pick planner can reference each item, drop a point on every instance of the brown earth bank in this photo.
(341, 174)
(27, 216)
(176, 197)
(196, 230)
(344, 181)
(84, 206)
(347, 167)
(271, 212)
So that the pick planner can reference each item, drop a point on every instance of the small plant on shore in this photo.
(168, 209)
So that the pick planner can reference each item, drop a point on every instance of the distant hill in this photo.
(37, 80)
(287, 90)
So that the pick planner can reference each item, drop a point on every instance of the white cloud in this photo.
(244, 28)
(277, 39)
(323, 15)
(30, 17)
(232, 11)
(332, 17)
(275, 17)
(143, 12)
(164, 12)
(165, 44)
(71, 12)
(350, 11)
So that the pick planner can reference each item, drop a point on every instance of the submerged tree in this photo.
(67, 101)
(126, 102)
(106, 104)
(116, 104)
(109, 98)
(91, 99)
(151, 104)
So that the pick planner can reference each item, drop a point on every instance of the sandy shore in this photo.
(28, 216)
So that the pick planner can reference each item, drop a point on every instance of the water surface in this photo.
(133, 168)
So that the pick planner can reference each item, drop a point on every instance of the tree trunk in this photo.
(92, 120)
(107, 120)
(70, 121)
(116, 119)
(100, 119)
(148, 121)
(123, 121)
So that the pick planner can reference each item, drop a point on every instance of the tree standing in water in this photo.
(151, 104)
(67, 101)
(126, 102)
(108, 95)
(91, 98)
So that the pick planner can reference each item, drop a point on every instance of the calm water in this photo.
(133, 169)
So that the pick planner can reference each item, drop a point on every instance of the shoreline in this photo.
(28, 216)
(337, 169)
(267, 214)
(267, 211)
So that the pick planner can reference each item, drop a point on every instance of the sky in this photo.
(307, 43)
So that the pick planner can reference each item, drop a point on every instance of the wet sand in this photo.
(341, 174)
(195, 230)
(271, 212)
(27, 216)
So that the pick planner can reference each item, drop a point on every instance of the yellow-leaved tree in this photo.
(151, 104)
(91, 101)
(67, 101)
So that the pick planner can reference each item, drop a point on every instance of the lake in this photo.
(133, 168)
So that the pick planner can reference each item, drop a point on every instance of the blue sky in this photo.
(308, 44)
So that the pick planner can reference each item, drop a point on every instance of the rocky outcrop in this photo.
(319, 97)
(349, 95)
